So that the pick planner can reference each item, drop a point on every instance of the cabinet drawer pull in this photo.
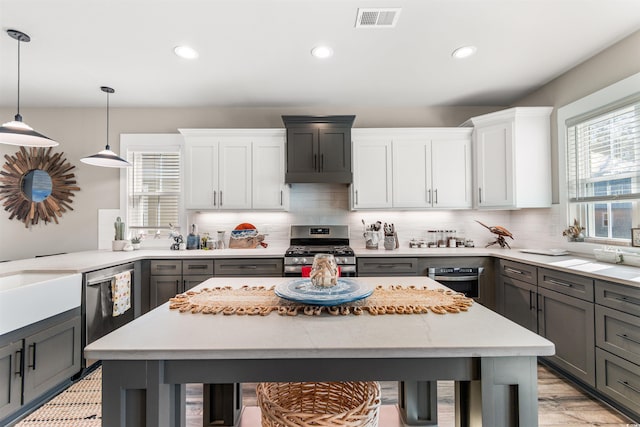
(629, 386)
(33, 357)
(514, 271)
(557, 282)
(248, 267)
(628, 338)
(197, 267)
(388, 265)
(627, 300)
(166, 267)
(20, 371)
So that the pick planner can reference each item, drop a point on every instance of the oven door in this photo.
(465, 283)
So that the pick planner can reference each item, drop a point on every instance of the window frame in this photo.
(151, 143)
(596, 103)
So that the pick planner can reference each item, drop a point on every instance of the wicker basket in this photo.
(312, 404)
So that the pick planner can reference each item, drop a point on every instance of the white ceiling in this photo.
(256, 52)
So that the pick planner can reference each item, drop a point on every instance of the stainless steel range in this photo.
(309, 240)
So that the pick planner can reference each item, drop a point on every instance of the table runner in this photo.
(260, 300)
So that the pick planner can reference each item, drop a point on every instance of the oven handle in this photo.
(454, 278)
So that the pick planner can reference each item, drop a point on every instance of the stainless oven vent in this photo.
(377, 17)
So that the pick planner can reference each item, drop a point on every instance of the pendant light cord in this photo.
(108, 122)
(18, 116)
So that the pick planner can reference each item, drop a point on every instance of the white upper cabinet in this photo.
(512, 158)
(234, 169)
(371, 186)
(412, 168)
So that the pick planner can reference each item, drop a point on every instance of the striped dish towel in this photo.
(121, 293)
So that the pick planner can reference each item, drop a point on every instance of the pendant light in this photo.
(106, 157)
(17, 132)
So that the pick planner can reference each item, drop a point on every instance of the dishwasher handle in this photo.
(455, 278)
(108, 278)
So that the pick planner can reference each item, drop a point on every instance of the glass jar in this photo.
(324, 271)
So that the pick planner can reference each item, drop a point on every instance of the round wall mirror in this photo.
(36, 184)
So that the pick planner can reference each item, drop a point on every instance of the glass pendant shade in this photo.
(106, 158)
(17, 132)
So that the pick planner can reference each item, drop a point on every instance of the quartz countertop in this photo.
(82, 262)
(169, 334)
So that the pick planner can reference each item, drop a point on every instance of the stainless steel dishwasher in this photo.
(98, 319)
(465, 280)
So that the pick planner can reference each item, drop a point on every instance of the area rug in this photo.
(259, 300)
(80, 405)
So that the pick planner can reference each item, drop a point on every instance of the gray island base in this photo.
(491, 359)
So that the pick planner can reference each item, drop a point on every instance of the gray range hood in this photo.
(318, 149)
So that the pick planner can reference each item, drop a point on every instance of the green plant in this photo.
(574, 231)
(136, 239)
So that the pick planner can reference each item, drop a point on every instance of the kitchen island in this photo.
(492, 360)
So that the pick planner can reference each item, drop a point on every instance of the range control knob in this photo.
(296, 260)
(304, 261)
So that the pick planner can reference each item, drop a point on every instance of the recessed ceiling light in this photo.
(186, 52)
(464, 52)
(322, 52)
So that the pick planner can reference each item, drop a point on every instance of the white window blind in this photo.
(153, 189)
(603, 154)
(603, 169)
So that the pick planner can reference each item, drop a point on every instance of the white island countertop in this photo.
(165, 334)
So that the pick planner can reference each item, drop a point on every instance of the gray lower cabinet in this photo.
(518, 302)
(387, 266)
(568, 323)
(265, 267)
(618, 344)
(38, 359)
(51, 356)
(10, 378)
(170, 277)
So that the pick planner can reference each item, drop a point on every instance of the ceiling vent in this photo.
(377, 17)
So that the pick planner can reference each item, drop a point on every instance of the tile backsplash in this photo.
(329, 204)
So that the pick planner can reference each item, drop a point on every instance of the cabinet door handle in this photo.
(511, 270)
(281, 198)
(33, 356)
(178, 286)
(435, 192)
(531, 306)
(557, 282)
(215, 193)
(220, 198)
(19, 361)
(479, 195)
(321, 162)
(629, 386)
(356, 197)
(628, 338)
(315, 162)
(429, 196)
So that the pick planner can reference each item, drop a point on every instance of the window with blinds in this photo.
(153, 191)
(603, 168)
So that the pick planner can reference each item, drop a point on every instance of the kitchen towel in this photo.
(121, 293)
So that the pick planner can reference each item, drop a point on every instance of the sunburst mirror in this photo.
(37, 185)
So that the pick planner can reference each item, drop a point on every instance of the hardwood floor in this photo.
(560, 404)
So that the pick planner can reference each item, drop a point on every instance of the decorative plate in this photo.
(303, 291)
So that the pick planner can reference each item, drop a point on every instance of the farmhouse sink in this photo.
(29, 296)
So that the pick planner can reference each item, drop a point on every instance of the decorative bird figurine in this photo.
(501, 232)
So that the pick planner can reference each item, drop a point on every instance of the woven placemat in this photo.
(259, 300)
